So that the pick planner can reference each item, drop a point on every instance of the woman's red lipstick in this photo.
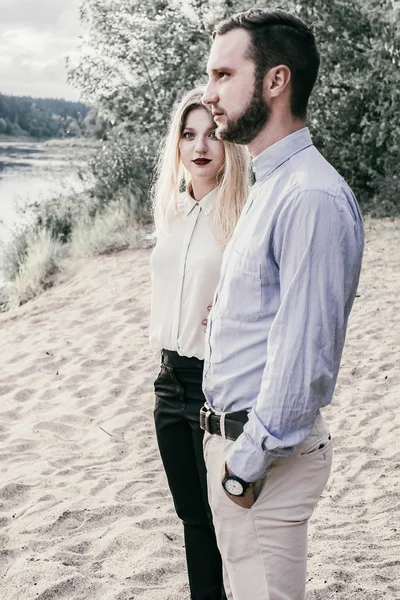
(201, 161)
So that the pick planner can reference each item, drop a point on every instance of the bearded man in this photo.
(277, 327)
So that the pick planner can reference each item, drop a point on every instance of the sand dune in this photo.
(84, 507)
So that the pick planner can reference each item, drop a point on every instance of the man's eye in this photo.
(222, 74)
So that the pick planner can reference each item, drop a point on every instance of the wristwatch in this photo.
(233, 485)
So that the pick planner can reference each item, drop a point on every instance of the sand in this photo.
(85, 512)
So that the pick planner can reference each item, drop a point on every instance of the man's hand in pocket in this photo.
(251, 494)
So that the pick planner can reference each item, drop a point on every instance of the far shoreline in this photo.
(6, 139)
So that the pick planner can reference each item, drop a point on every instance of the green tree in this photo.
(39, 117)
(3, 126)
(354, 111)
(140, 55)
(138, 58)
(94, 126)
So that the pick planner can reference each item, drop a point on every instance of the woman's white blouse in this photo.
(185, 268)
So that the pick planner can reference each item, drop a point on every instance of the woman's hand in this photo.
(205, 321)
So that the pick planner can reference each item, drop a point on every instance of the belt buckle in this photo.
(205, 414)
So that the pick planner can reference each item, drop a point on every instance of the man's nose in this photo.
(210, 96)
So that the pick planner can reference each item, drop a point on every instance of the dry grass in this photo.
(109, 231)
(42, 260)
(35, 253)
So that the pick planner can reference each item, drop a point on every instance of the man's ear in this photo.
(277, 81)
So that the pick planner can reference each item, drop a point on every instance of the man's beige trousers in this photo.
(264, 548)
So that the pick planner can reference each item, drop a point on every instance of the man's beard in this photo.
(246, 127)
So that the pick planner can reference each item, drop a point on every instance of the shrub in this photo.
(123, 168)
(57, 216)
(108, 231)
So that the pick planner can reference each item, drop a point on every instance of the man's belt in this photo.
(228, 425)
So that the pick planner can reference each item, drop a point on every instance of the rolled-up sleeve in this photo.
(317, 246)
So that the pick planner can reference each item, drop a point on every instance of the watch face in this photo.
(233, 487)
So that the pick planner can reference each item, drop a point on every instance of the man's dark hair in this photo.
(280, 38)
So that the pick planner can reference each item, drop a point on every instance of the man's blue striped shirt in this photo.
(288, 281)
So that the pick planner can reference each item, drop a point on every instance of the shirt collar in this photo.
(207, 204)
(277, 154)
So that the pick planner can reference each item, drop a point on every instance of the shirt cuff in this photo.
(246, 461)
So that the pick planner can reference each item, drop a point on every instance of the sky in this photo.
(35, 38)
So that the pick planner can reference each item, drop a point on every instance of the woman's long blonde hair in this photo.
(232, 180)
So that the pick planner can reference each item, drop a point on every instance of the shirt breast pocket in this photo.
(241, 299)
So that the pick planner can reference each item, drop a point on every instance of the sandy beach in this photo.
(85, 512)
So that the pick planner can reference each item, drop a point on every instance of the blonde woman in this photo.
(192, 229)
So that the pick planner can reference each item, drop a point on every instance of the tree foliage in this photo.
(354, 113)
(41, 117)
(139, 56)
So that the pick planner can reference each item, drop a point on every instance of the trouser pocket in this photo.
(317, 441)
(167, 387)
(318, 445)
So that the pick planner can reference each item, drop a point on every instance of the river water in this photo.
(31, 172)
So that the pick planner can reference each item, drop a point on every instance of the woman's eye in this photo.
(212, 135)
(222, 74)
(187, 135)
